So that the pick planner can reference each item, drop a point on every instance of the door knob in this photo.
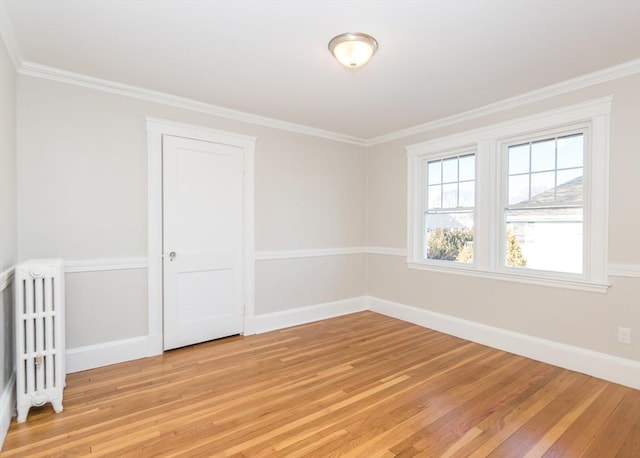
(172, 256)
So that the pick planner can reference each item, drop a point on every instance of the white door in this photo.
(202, 240)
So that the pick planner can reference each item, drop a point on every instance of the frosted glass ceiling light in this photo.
(353, 49)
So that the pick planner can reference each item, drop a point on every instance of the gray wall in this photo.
(82, 195)
(587, 320)
(82, 188)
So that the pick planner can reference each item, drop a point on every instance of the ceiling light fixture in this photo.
(353, 50)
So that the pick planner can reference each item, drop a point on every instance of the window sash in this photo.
(552, 206)
(435, 176)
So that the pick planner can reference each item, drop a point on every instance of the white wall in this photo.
(587, 320)
(82, 194)
(7, 228)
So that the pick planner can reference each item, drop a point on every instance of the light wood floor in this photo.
(362, 385)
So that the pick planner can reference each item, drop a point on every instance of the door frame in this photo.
(156, 129)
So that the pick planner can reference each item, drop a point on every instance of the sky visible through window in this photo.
(541, 167)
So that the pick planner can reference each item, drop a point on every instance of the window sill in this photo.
(591, 287)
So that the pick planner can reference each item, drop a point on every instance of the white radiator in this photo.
(40, 349)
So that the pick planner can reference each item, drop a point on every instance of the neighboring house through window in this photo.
(544, 213)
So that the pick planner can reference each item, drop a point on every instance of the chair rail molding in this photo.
(98, 265)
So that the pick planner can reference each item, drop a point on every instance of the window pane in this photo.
(543, 155)
(545, 239)
(570, 151)
(450, 170)
(569, 186)
(518, 189)
(519, 159)
(448, 228)
(449, 236)
(467, 168)
(450, 195)
(467, 194)
(435, 196)
(435, 169)
(542, 187)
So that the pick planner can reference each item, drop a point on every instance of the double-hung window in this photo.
(522, 201)
(449, 212)
(544, 203)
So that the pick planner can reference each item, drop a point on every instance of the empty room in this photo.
(320, 228)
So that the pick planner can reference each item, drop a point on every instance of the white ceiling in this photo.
(270, 58)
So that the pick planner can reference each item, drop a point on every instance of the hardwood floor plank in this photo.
(361, 385)
(631, 445)
(617, 428)
(581, 431)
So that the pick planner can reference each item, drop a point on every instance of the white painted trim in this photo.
(302, 315)
(613, 269)
(601, 76)
(6, 277)
(156, 128)
(528, 279)
(105, 354)
(154, 238)
(601, 365)
(118, 351)
(97, 265)
(9, 37)
(387, 251)
(77, 79)
(290, 254)
(7, 406)
(624, 270)
(337, 251)
(249, 233)
(607, 367)
(63, 76)
(568, 114)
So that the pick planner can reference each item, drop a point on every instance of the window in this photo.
(448, 216)
(522, 201)
(544, 213)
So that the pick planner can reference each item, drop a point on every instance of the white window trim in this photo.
(487, 142)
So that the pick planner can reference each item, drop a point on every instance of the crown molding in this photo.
(9, 38)
(590, 79)
(63, 76)
(77, 79)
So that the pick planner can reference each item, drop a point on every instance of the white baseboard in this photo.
(615, 369)
(117, 351)
(7, 407)
(271, 321)
(607, 367)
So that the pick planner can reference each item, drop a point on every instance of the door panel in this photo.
(202, 241)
